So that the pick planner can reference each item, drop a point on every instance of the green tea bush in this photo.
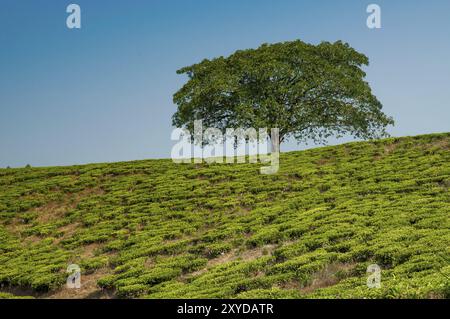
(156, 229)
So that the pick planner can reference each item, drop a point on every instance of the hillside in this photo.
(157, 229)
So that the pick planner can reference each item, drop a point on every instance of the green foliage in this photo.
(307, 91)
(156, 229)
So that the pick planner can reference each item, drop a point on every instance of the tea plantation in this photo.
(156, 229)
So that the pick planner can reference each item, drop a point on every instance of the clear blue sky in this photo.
(104, 92)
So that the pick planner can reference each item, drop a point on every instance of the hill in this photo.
(158, 229)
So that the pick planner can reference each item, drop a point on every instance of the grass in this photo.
(155, 229)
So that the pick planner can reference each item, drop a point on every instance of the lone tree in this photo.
(308, 92)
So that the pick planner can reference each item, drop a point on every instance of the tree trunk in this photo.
(275, 153)
(275, 141)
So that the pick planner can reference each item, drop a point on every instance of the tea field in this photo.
(156, 229)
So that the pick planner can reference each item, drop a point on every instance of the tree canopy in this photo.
(308, 92)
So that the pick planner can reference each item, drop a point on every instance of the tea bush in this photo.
(156, 229)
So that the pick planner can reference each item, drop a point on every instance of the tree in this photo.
(309, 92)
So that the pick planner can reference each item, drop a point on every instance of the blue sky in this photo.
(104, 92)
